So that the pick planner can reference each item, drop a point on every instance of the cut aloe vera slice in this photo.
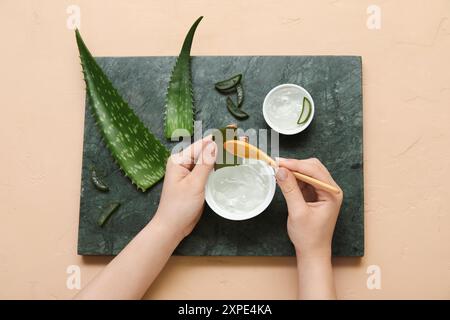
(224, 158)
(235, 111)
(306, 111)
(229, 85)
(98, 181)
(106, 213)
(240, 95)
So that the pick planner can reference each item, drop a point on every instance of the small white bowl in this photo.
(226, 213)
(280, 91)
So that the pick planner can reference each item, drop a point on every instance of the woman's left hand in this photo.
(183, 194)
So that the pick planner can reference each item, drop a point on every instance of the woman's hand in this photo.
(311, 221)
(183, 193)
(312, 212)
(130, 274)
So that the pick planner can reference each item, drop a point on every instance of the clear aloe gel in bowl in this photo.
(241, 192)
(288, 109)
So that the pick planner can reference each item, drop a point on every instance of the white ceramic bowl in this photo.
(225, 213)
(278, 90)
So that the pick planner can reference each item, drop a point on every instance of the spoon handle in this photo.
(316, 183)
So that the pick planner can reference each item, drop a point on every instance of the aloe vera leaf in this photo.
(179, 99)
(138, 153)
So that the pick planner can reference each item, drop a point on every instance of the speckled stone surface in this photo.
(335, 137)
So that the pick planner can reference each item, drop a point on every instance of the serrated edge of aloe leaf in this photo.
(174, 117)
(150, 167)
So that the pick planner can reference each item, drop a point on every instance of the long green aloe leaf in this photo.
(179, 100)
(139, 154)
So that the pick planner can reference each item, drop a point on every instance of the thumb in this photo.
(291, 191)
(205, 163)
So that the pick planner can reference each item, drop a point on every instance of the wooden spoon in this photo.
(243, 149)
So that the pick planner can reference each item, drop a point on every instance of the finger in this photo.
(204, 164)
(291, 190)
(313, 168)
(189, 155)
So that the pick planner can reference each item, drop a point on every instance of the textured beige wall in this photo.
(406, 136)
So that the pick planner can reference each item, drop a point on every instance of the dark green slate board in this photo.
(335, 137)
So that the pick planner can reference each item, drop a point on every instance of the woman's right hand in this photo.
(312, 212)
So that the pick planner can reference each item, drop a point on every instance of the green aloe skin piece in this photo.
(235, 110)
(139, 154)
(106, 213)
(179, 117)
(98, 181)
(226, 159)
(229, 85)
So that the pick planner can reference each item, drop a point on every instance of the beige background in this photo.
(406, 136)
